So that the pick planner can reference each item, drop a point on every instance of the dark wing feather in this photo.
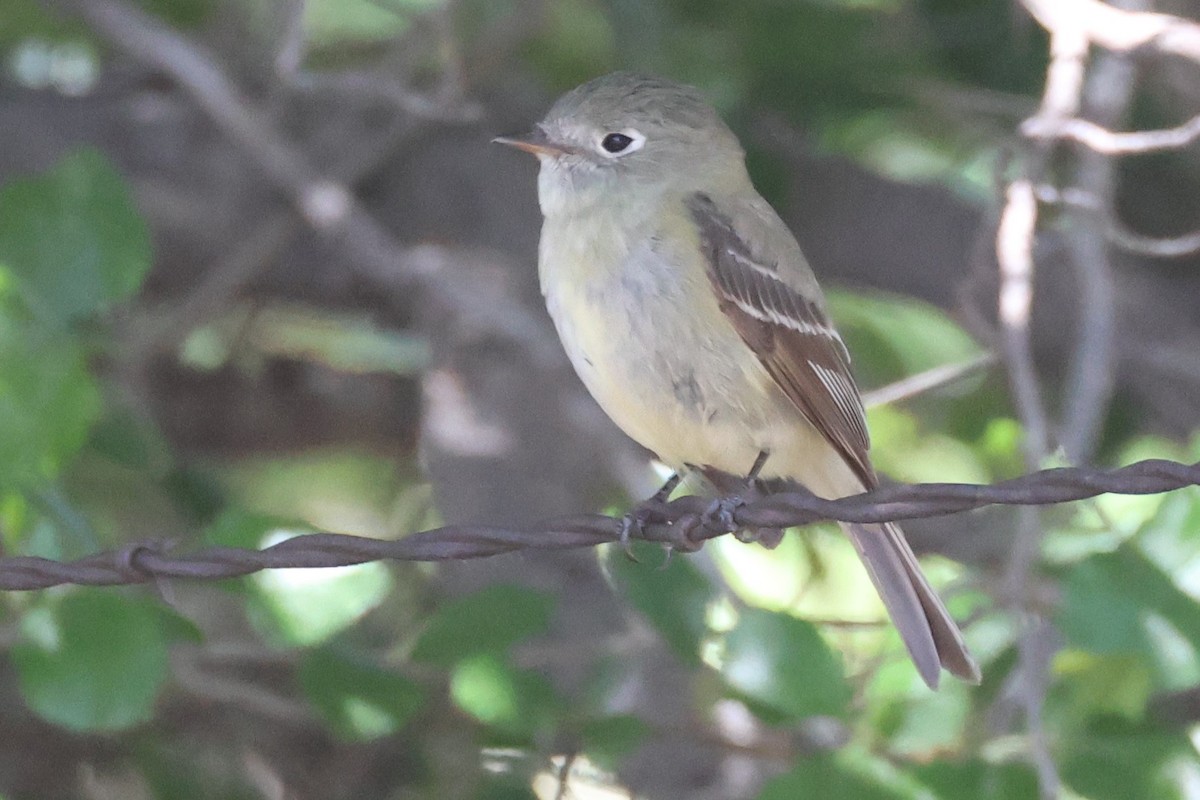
(790, 334)
(794, 340)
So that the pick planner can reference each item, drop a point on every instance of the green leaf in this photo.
(299, 606)
(195, 492)
(1171, 537)
(609, 739)
(308, 606)
(784, 663)
(575, 43)
(518, 704)
(898, 336)
(506, 787)
(977, 780)
(824, 776)
(340, 488)
(331, 21)
(808, 72)
(1117, 760)
(1097, 613)
(908, 453)
(127, 441)
(488, 621)
(1108, 595)
(181, 13)
(93, 661)
(775, 578)
(1155, 589)
(73, 238)
(27, 19)
(928, 723)
(175, 626)
(358, 700)
(48, 403)
(1105, 684)
(675, 598)
(236, 527)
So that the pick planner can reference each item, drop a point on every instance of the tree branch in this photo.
(1117, 29)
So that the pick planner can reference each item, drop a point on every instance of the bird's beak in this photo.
(536, 142)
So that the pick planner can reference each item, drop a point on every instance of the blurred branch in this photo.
(1014, 254)
(327, 205)
(1074, 27)
(1015, 233)
(163, 330)
(244, 694)
(683, 524)
(1118, 29)
(1115, 230)
(1106, 95)
(1113, 143)
(289, 51)
(1159, 247)
(324, 201)
(378, 87)
(1038, 645)
(388, 81)
(1061, 98)
(564, 775)
(927, 381)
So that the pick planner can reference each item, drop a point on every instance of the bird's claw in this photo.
(633, 523)
(632, 526)
(720, 515)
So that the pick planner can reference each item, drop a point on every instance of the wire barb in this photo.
(149, 561)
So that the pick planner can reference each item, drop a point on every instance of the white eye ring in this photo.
(632, 140)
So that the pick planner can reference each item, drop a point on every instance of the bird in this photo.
(690, 313)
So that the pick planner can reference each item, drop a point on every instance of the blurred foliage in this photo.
(93, 660)
(358, 700)
(788, 636)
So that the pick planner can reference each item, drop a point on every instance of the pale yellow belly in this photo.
(692, 394)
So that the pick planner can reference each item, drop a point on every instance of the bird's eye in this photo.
(616, 142)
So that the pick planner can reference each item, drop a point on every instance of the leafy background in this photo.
(183, 357)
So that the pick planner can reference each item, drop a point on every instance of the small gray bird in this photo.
(691, 315)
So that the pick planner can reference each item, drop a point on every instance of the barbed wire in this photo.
(684, 524)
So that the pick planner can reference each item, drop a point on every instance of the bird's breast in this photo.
(641, 325)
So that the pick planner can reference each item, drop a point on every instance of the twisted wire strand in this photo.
(684, 523)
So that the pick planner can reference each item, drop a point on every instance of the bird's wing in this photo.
(788, 331)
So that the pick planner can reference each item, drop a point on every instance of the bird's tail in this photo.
(929, 632)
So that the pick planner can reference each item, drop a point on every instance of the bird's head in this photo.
(625, 133)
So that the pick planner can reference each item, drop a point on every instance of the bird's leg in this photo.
(719, 515)
(759, 462)
(635, 521)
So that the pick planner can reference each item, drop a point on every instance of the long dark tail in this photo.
(929, 632)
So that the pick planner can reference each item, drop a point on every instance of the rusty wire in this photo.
(684, 523)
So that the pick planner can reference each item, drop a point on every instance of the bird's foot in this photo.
(720, 515)
(633, 523)
(632, 526)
